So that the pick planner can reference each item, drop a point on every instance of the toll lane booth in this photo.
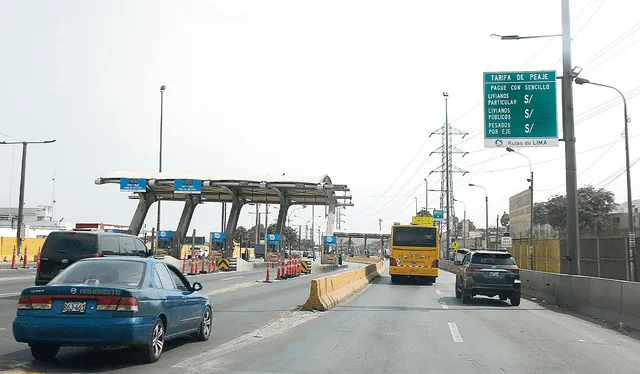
(216, 244)
(169, 244)
(329, 251)
(273, 248)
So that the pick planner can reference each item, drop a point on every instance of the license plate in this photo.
(74, 306)
(494, 274)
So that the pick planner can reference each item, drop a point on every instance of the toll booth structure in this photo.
(349, 235)
(193, 190)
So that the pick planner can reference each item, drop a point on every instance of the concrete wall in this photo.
(609, 299)
(7, 245)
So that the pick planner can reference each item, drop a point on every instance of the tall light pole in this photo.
(162, 88)
(291, 213)
(23, 171)
(632, 231)
(464, 220)
(530, 180)
(486, 210)
(568, 129)
(416, 205)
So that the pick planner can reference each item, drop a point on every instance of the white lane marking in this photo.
(455, 333)
(230, 278)
(438, 292)
(444, 305)
(14, 278)
(206, 360)
(2, 328)
(9, 294)
(231, 288)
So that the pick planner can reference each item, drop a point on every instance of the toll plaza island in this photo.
(193, 190)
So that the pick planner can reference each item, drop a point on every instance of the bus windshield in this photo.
(425, 237)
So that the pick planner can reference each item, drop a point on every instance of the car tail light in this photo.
(107, 302)
(392, 262)
(34, 302)
(115, 303)
(469, 269)
(128, 304)
(435, 263)
(516, 270)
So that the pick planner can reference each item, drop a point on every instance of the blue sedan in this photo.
(112, 302)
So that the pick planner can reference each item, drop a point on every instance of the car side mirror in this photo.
(457, 263)
(196, 286)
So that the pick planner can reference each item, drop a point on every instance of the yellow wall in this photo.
(546, 254)
(7, 244)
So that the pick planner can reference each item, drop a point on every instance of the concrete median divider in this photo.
(362, 260)
(328, 291)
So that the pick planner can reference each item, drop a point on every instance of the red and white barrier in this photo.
(13, 259)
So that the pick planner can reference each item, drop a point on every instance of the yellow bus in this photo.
(414, 252)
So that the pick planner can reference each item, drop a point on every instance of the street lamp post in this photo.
(486, 210)
(162, 88)
(568, 129)
(23, 171)
(632, 232)
(416, 205)
(464, 219)
(530, 180)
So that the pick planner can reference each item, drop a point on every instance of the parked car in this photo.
(109, 303)
(62, 248)
(488, 273)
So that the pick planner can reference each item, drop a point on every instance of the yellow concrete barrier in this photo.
(363, 260)
(328, 291)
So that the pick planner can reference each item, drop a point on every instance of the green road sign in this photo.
(438, 214)
(520, 109)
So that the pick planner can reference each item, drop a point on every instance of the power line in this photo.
(611, 45)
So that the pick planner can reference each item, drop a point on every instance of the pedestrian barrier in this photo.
(328, 291)
(306, 267)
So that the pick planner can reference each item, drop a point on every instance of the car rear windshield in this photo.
(103, 272)
(414, 237)
(492, 259)
(70, 245)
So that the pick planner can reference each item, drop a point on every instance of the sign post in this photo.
(438, 214)
(520, 109)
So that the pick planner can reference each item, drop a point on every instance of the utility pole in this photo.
(568, 129)
(380, 223)
(497, 230)
(426, 195)
(299, 237)
(162, 88)
(23, 172)
(313, 217)
(257, 224)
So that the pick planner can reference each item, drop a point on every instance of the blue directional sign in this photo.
(273, 238)
(329, 241)
(187, 186)
(164, 236)
(520, 109)
(218, 237)
(438, 214)
(133, 184)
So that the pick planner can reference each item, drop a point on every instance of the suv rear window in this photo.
(106, 273)
(492, 259)
(71, 245)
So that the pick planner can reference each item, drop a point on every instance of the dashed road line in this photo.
(9, 294)
(230, 278)
(438, 292)
(455, 333)
(444, 305)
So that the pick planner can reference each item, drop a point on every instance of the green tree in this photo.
(423, 213)
(594, 209)
(240, 236)
(504, 220)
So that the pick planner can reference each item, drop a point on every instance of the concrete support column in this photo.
(232, 223)
(331, 215)
(144, 203)
(282, 213)
(190, 204)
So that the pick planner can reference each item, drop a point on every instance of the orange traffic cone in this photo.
(13, 259)
(25, 258)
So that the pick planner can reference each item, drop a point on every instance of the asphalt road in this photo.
(399, 328)
(241, 303)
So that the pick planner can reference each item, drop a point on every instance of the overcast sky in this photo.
(352, 89)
